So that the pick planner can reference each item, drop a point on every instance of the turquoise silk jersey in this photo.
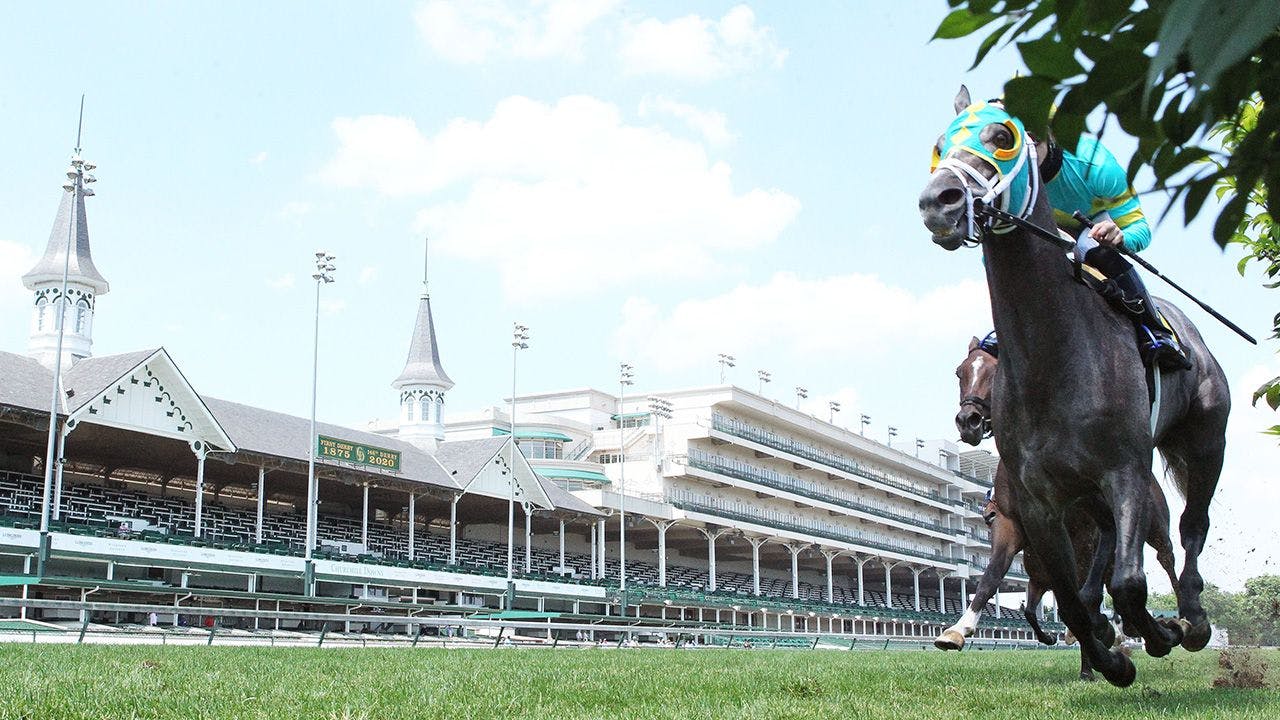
(1093, 183)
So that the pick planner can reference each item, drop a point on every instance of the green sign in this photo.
(343, 451)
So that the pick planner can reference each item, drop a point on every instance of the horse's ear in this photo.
(962, 99)
(973, 344)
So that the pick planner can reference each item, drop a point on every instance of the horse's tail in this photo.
(1175, 468)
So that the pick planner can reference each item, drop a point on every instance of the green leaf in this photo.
(962, 22)
(1030, 98)
(1226, 33)
(1047, 57)
(989, 43)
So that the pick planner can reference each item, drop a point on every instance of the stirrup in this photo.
(1162, 348)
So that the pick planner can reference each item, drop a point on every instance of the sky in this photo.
(649, 182)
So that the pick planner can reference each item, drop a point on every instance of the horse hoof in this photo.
(949, 640)
(1195, 637)
(1175, 629)
(1123, 674)
(1087, 677)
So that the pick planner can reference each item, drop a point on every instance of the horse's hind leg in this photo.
(1158, 536)
(1196, 465)
(1130, 505)
(1035, 594)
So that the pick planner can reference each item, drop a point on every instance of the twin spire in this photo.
(423, 366)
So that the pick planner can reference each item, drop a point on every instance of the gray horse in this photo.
(1071, 413)
(977, 374)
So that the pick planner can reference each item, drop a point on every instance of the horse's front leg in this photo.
(1131, 510)
(1098, 543)
(1045, 532)
(1006, 541)
(1035, 594)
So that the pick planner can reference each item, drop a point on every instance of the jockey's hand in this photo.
(1106, 232)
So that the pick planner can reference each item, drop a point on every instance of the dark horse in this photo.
(977, 375)
(1070, 407)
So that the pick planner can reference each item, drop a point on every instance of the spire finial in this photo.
(426, 264)
(80, 125)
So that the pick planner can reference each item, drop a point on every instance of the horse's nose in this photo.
(970, 424)
(945, 195)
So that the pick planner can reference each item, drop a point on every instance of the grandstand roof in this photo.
(26, 382)
(92, 374)
(273, 433)
(465, 459)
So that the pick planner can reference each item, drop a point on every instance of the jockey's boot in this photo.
(1156, 340)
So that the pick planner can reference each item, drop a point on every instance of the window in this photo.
(408, 410)
(634, 421)
(42, 314)
(609, 458)
(542, 449)
(82, 318)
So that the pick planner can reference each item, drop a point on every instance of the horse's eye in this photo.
(998, 135)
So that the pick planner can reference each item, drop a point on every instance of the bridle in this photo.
(992, 212)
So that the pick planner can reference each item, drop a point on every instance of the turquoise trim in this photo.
(528, 434)
(573, 474)
(630, 415)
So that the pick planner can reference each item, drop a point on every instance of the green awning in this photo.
(533, 434)
(627, 416)
(573, 474)
(6, 580)
(517, 615)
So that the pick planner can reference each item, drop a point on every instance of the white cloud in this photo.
(563, 199)
(259, 158)
(15, 260)
(367, 275)
(695, 48)
(849, 315)
(473, 31)
(711, 125)
(284, 282)
(295, 209)
(333, 307)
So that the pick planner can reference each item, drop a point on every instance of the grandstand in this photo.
(739, 511)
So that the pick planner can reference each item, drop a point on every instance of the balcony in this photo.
(746, 431)
(787, 483)
(689, 501)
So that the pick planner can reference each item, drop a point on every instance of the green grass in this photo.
(119, 682)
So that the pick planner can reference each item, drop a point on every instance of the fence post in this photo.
(83, 627)
(324, 630)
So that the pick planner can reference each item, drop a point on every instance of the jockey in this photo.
(1091, 182)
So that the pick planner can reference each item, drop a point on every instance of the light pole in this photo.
(625, 378)
(866, 420)
(833, 407)
(77, 178)
(519, 341)
(726, 361)
(893, 433)
(659, 408)
(801, 394)
(323, 276)
(919, 446)
(764, 376)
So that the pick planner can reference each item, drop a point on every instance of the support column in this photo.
(595, 555)
(57, 469)
(602, 549)
(831, 590)
(942, 596)
(528, 537)
(711, 536)
(861, 562)
(262, 503)
(756, 542)
(997, 603)
(964, 593)
(412, 509)
(561, 545)
(201, 452)
(453, 530)
(364, 517)
(795, 570)
(915, 580)
(662, 527)
(888, 583)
